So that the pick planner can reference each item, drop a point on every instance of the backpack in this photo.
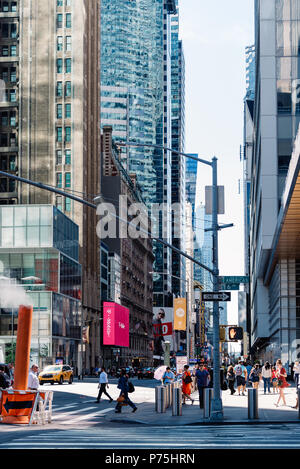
(130, 387)
(187, 379)
(238, 370)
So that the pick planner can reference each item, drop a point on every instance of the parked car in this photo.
(148, 373)
(56, 374)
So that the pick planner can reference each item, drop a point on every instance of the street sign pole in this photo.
(216, 403)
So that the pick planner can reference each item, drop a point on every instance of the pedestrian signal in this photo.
(235, 333)
(222, 334)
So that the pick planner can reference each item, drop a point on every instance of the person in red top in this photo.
(282, 383)
(187, 384)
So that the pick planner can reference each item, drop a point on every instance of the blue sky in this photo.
(215, 34)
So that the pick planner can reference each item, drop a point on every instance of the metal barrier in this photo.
(177, 401)
(42, 410)
(252, 404)
(160, 397)
(208, 395)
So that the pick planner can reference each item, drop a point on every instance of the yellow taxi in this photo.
(56, 374)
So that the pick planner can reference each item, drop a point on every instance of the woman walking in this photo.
(231, 379)
(254, 376)
(282, 383)
(266, 374)
(187, 384)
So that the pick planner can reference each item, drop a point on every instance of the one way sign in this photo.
(215, 296)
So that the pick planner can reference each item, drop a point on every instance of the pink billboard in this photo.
(115, 325)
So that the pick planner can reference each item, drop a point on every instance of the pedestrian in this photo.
(4, 379)
(187, 385)
(266, 374)
(203, 378)
(248, 368)
(103, 384)
(274, 380)
(282, 383)
(231, 379)
(124, 388)
(33, 380)
(241, 375)
(296, 370)
(168, 376)
(254, 376)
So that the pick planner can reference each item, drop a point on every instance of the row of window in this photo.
(9, 51)
(68, 65)
(68, 20)
(8, 140)
(8, 162)
(60, 3)
(60, 43)
(11, 96)
(8, 119)
(9, 74)
(67, 180)
(59, 111)
(59, 156)
(59, 134)
(7, 185)
(63, 89)
(9, 30)
(6, 7)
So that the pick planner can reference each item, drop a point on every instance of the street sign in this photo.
(216, 296)
(234, 279)
(229, 286)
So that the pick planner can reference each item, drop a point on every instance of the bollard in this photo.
(172, 386)
(167, 387)
(208, 395)
(161, 399)
(252, 404)
(177, 401)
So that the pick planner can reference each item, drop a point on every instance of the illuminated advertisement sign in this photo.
(115, 325)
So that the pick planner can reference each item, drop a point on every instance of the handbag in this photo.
(130, 387)
(121, 398)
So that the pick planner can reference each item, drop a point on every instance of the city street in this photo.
(79, 422)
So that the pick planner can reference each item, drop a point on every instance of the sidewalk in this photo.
(235, 410)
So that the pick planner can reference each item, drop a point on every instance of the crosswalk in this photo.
(187, 437)
(70, 415)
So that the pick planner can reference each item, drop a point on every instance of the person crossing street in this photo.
(103, 384)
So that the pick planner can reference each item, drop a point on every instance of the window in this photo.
(13, 96)
(67, 179)
(13, 31)
(68, 3)
(59, 43)
(13, 74)
(12, 163)
(67, 204)
(59, 89)
(5, 6)
(68, 111)
(59, 111)
(67, 134)
(59, 65)
(68, 89)
(13, 119)
(68, 157)
(68, 65)
(13, 51)
(5, 30)
(59, 21)
(59, 134)
(68, 43)
(59, 202)
(59, 179)
(13, 6)
(59, 3)
(68, 20)
(58, 156)
(5, 51)
(4, 119)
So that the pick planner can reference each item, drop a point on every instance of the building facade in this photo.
(50, 131)
(273, 267)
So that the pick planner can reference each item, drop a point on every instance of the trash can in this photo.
(252, 404)
(177, 401)
(208, 395)
(160, 397)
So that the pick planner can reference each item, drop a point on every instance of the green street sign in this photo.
(229, 286)
(232, 279)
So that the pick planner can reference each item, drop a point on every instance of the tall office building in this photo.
(136, 102)
(274, 265)
(49, 65)
(178, 175)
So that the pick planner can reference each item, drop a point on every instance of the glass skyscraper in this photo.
(136, 102)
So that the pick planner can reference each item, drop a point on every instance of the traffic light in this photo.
(235, 333)
(222, 334)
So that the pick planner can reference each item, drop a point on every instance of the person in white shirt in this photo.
(103, 383)
(266, 374)
(33, 380)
